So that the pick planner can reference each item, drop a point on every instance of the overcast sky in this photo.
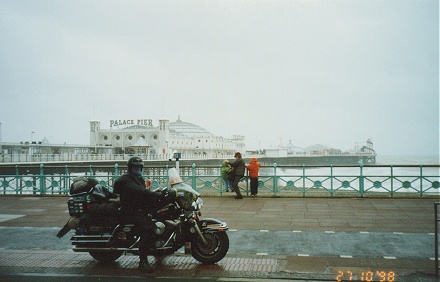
(309, 72)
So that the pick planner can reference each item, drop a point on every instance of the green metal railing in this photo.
(295, 181)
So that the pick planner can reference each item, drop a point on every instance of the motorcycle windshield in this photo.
(183, 187)
(186, 195)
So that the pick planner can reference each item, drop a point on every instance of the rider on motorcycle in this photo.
(135, 200)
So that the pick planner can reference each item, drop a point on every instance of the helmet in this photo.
(134, 161)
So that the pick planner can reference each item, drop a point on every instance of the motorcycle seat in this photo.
(104, 209)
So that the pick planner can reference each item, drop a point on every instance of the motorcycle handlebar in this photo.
(167, 194)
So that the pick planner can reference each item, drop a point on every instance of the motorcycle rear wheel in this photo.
(216, 248)
(106, 256)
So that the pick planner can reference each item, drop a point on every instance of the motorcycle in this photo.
(100, 230)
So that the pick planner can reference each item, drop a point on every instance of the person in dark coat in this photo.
(239, 170)
(135, 200)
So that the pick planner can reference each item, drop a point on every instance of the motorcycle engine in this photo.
(164, 232)
(159, 228)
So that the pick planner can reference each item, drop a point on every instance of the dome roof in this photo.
(188, 129)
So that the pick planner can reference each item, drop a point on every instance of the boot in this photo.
(145, 266)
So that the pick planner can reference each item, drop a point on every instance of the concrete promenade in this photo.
(270, 238)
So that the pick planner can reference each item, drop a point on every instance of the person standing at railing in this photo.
(253, 167)
(239, 170)
(225, 170)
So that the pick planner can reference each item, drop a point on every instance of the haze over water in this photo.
(407, 160)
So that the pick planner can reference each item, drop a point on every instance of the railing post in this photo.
(331, 180)
(221, 180)
(361, 180)
(67, 180)
(304, 180)
(392, 180)
(193, 177)
(275, 180)
(17, 184)
(116, 174)
(42, 180)
(421, 181)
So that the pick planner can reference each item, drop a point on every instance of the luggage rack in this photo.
(78, 203)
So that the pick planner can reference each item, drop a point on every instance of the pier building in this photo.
(141, 137)
(161, 141)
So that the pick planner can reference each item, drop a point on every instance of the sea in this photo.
(407, 160)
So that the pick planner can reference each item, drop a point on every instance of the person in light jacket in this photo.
(225, 170)
(253, 167)
(239, 170)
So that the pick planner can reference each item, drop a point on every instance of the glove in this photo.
(164, 194)
(161, 196)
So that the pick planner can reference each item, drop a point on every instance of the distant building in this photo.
(276, 153)
(293, 150)
(129, 137)
(142, 137)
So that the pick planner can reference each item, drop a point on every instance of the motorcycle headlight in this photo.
(197, 205)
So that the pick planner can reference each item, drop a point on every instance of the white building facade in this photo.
(142, 137)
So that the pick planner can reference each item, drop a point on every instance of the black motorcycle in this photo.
(100, 230)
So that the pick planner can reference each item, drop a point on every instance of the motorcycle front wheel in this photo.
(213, 251)
(107, 256)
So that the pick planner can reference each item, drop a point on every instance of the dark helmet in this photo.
(134, 161)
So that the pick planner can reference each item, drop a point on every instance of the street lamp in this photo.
(31, 151)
